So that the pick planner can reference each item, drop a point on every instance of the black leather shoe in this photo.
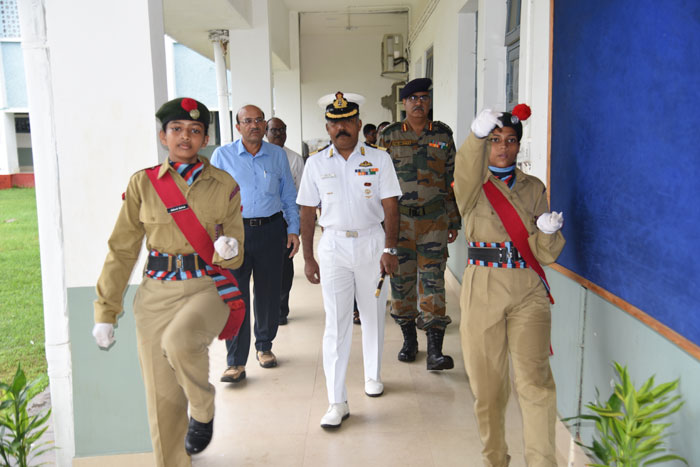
(198, 436)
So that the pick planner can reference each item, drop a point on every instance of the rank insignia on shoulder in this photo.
(366, 164)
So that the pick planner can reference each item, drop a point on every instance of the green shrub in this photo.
(18, 430)
(626, 425)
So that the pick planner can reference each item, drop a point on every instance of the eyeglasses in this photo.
(250, 121)
(277, 131)
(507, 141)
(423, 98)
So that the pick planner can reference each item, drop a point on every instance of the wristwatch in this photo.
(391, 251)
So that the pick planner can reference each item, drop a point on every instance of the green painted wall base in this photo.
(109, 402)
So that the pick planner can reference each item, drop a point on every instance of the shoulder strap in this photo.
(197, 236)
(516, 229)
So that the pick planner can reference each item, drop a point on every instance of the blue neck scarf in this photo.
(506, 175)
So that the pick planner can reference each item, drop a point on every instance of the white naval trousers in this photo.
(349, 268)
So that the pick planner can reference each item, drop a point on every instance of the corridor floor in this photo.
(423, 419)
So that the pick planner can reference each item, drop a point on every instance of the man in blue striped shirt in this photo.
(268, 199)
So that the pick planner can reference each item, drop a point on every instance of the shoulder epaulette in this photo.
(391, 127)
(319, 149)
(381, 148)
(442, 126)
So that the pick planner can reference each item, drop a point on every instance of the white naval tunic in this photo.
(350, 193)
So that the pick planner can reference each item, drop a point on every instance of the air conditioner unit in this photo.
(394, 64)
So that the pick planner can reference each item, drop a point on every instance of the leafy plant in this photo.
(18, 430)
(627, 427)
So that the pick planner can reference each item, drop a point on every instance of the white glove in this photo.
(550, 222)
(486, 121)
(227, 247)
(103, 334)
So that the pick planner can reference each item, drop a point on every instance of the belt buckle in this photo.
(254, 222)
(178, 262)
(351, 233)
(504, 255)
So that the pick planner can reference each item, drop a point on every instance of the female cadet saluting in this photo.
(182, 303)
(504, 302)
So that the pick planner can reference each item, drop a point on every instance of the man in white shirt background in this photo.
(277, 134)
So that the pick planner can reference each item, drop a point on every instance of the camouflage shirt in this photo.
(424, 165)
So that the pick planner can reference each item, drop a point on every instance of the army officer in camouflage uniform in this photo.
(423, 153)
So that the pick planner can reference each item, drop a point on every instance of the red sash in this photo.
(197, 236)
(516, 229)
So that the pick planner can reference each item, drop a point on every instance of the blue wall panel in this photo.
(625, 161)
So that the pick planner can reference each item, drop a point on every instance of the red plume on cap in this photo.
(188, 104)
(522, 111)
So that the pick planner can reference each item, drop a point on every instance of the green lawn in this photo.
(21, 310)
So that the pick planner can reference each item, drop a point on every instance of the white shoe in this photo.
(335, 415)
(374, 388)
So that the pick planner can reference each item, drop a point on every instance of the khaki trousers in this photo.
(506, 311)
(175, 323)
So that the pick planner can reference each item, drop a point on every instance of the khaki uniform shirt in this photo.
(424, 165)
(528, 197)
(215, 199)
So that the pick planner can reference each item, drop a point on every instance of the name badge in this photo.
(181, 207)
(324, 176)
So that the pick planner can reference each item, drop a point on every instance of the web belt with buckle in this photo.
(419, 211)
(504, 255)
(191, 262)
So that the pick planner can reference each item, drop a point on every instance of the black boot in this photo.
(436, 360)
(410, 343)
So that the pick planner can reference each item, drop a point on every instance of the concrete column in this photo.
(219, 39)
(287, 89)
(9, 162)
(251, 67)
(92, 91)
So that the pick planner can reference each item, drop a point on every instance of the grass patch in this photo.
(21, 304)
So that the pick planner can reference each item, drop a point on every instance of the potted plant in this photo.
(18, 430)
(628, 431)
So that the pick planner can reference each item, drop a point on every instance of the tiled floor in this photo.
(423, 419)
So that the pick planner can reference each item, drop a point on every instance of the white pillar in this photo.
(287, 90)
(9, 162)
(251, 67)
(92, 92)
(219, 39)
(170, 67)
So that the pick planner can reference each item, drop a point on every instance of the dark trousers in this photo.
(263, 254)
(287, 277)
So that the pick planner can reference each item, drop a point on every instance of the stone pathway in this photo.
(40, 404)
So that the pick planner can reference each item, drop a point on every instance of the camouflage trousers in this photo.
(422, 258)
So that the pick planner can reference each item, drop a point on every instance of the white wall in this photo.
(287, 88)
(449, 29)
(347, 61)
(279, 32)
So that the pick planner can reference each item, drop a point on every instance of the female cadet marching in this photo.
(184, 299)
(505, 300)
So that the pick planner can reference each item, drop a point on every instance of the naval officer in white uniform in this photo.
(357, 188)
